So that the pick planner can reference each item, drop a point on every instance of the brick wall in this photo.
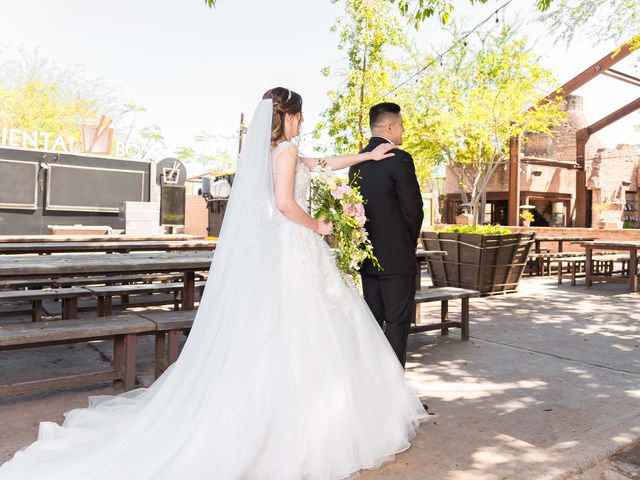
(609, 169)
(196, 215)
(612, 174)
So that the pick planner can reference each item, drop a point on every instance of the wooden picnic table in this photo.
(628, 246)
(560, 240)
(26, 267)
(95, 238)
(41, 248)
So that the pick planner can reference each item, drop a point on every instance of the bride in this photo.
(285, 375)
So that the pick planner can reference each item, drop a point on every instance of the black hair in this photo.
(378, 112)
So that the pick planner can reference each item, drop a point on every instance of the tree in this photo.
(366, 32)
(416, 11)
(36, 94)
(153, 137)
(206, 154)
(467, 108)
(597, 20)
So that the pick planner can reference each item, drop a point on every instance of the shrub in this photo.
(480, 229)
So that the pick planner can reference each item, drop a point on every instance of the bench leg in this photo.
(161, 356)
(559, 273)
(465, 319)
(69, 308)
(124, 359)
(416, 314)
(105, 305)
(188, 293)
(172, 345)
(444, 315)
(36, 311)
(177, 300)
(124, 300)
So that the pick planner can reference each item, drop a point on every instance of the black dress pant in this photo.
(391, 299)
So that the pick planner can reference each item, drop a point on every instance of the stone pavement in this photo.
(547, 388)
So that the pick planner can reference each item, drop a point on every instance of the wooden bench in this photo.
(168, 327)
(602, 265)
(69, 297)
(106, 293)
(444, 295)
(543, 260)
(122, 329)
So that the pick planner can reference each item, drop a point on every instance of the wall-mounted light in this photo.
(536, 173)
(626, 183)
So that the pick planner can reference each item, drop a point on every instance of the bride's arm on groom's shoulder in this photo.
(344, 161)
(285, 174)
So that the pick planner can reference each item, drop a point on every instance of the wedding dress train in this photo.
(285, 375)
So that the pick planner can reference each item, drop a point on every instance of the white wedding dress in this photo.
(285, 375)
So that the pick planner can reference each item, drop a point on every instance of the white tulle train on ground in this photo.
(285, 374)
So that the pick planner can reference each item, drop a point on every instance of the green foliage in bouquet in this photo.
(479, 229)
(340, 201)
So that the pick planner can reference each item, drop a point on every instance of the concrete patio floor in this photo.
(548, 387)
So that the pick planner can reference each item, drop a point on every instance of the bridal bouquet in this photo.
(340, 202)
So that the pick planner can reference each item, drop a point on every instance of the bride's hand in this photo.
(381, 151)
(323, 228)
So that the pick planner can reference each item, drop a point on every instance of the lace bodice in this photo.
(303, 175)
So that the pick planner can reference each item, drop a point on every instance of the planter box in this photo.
(491, 264)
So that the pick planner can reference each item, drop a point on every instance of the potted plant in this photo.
(527, 218)
(487, 258)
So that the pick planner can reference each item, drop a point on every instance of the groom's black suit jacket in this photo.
(393, 208)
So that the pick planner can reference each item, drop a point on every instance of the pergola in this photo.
(601, 67)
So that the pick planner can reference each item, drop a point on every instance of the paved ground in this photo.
(547, 388)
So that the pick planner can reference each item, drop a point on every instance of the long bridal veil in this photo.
(227, 402)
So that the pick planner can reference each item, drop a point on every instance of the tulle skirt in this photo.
(292, 379)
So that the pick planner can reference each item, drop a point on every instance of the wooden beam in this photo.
(514, 181)
(548, 162)
(623, 77)
(593, 71)
(614, 117)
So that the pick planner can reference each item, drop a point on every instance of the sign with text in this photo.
(98, 139)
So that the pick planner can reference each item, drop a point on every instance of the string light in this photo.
(438, 58)
(441, 55)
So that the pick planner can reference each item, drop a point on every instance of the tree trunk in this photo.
(483, 205)
(361, 109)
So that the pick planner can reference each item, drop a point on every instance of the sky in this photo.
(197, 69)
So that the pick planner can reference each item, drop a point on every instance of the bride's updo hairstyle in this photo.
(284, 101)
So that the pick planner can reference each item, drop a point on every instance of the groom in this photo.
(394, 216)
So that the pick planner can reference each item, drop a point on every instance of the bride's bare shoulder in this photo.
(285, 149)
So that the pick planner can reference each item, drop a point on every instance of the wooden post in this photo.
(588, 264)
(633, 270)
(514, 181)
(582, 137)
(465, 319)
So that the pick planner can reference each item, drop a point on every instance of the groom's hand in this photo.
(381, 151)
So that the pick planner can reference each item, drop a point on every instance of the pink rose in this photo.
(337, 193)
(360, 210)
(361, 220)
(349, 209)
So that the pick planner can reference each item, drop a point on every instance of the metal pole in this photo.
(243, 131)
